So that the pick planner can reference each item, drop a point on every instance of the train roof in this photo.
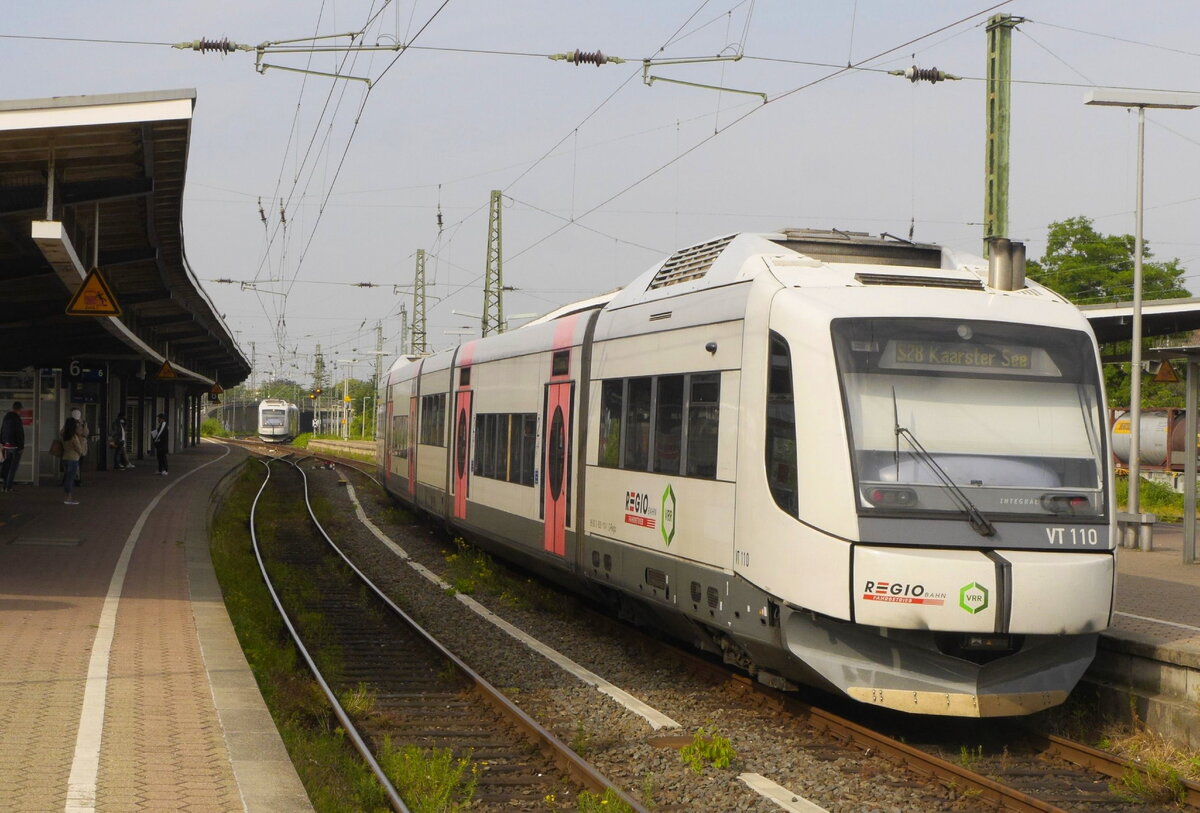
(796, 257)
(811, 257)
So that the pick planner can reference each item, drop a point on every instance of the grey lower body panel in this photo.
(905, 670)
(722, 613)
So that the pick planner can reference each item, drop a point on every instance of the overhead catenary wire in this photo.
(580, 141)
(1115, 38)
(838, 72)
(349, 141)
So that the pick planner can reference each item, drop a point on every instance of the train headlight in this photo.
(891, 497)
(964, 332)
(1066, 503)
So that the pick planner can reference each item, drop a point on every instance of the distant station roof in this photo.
(97, 181)
(1160, 317)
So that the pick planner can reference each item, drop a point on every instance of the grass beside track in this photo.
(332, 772)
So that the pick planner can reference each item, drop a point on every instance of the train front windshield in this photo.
(273, 417)
(1009, 416)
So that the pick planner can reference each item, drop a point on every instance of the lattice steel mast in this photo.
(419, 346)
(493, 284)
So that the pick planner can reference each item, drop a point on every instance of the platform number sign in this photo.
(973, 598)
(79, 371)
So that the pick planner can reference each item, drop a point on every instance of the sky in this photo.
(300, 186)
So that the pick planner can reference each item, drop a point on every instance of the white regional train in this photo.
(278, 420)
(855, 463)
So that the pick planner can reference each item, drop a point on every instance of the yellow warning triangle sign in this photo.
(166, 370)
(215, 389)
(1166, 373)
(94, 298)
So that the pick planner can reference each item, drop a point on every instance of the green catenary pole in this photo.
(493, 285)
(999, 106)
(419, 347)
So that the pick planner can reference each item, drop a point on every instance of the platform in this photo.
(1150, 658)
(122, 685)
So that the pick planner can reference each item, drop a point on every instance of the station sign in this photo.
(94, 298)
(77, 370)
(84, 393)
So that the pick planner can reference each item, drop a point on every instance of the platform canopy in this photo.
(97, 182)
(1160, 317)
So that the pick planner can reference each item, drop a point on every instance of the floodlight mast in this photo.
(1141, 99)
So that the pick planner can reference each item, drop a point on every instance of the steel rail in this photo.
(1004, 797)
(999, 796)
(566, 759)
(356, 739)
(1103, 762)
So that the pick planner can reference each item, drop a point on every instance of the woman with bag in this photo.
(84, 432)
(73, 448)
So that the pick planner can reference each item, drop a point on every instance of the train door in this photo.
(413, 427)
(556, 464)
(462, 437)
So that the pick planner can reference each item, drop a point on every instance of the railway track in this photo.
(1006, 767)
(420, 693)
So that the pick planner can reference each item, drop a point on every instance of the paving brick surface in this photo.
(1158, 598)
(164, 742)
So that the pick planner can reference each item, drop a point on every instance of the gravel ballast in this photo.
(614, 739)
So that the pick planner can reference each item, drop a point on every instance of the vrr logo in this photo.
(668, 515)
(973, 598)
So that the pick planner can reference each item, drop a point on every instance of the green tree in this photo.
(1088, 267)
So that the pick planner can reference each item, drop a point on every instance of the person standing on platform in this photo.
(81, 429)
(160, 436)
(74, 447)
(12, 438)
(118, 441)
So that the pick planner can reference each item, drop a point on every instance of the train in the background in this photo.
(278, 420)
(868, 465)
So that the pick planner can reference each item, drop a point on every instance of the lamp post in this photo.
(345, 430)
(362, 429)
(1141, 99)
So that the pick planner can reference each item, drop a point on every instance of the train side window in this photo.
(512, 471)
(528, 453)
(668, 425)
(704, 404)
(781, 427)
(485, 465)
(612, 398)
(399, 444)
(560, 363)
(433, 420)
(637, 421)
(504, 446)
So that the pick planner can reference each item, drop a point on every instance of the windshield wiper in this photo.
(975, 518)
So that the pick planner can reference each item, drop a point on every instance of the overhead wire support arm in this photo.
(578, 57)
(224, 46)
(649, 80)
